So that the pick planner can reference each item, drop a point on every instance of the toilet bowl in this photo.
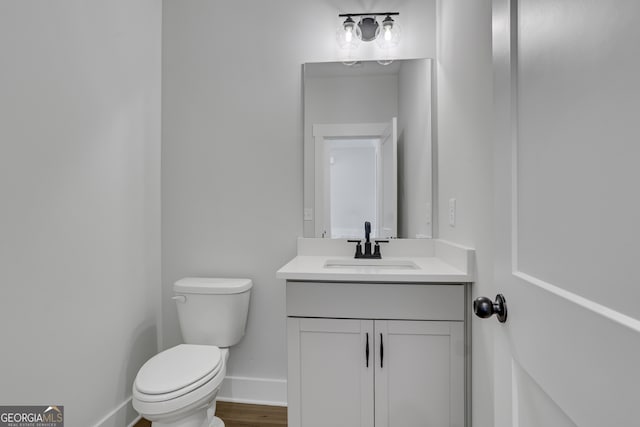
(182, 380)
(178, 387)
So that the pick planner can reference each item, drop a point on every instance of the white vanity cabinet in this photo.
(376, 354)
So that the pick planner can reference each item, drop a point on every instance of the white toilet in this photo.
(178, 387)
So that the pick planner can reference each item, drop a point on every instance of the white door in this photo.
(328, 366)
(567, 192)
(419, 373)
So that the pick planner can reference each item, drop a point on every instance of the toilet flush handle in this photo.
(180, 298)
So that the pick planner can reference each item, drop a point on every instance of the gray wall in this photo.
(415, 171)
(80, 206)
(465, 159)
(232, 148)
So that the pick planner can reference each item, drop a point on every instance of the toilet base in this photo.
(215, 422)
(202, 418)
(198, 419)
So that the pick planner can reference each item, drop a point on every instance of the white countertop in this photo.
(436, 261)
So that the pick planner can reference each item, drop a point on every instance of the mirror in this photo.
(368, 149)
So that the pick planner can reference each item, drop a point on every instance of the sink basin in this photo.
(377, 264)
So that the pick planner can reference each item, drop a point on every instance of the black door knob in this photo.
(484, 308)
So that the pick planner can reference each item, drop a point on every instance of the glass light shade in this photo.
(389, 36)
(347, 35)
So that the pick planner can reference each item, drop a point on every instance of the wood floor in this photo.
(243, 415)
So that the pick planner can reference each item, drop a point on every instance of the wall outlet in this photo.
(452, 212)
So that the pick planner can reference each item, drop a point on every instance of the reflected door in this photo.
(356, 179)
(351, 195)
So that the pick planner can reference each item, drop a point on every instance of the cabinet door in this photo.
(329, 381)
(419, 374)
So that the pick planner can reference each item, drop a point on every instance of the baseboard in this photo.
(135, 421)
(257, 391)
(122, 415)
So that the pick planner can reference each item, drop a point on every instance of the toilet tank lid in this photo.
(212, 285)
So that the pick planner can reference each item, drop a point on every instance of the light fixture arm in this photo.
(351, 15)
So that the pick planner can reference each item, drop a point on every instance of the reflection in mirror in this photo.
(367, 149)
(356, 178)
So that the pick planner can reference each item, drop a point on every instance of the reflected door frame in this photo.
(322, 132)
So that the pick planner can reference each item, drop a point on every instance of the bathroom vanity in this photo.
(381, 343)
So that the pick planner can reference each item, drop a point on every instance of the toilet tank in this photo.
(212, 311)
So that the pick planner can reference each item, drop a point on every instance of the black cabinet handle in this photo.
(366, 350)
(381, 352)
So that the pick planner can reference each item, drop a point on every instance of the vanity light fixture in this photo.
(367, 28)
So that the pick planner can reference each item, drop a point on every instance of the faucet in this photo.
(367, 231)
(367, 244)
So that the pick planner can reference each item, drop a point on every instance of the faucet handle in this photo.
(376, 248)
(358, 247)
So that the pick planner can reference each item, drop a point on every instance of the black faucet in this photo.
(367, 233)
(367, 244)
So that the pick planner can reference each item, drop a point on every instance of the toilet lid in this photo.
(177, 368)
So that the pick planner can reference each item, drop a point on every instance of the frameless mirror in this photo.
(368, 149)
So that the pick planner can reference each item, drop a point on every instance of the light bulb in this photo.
(390, 34)
(387, 32)
(348, 34)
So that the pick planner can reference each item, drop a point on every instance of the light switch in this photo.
(308, 214)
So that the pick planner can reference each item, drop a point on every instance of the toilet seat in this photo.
(177, 371)
(179, 379)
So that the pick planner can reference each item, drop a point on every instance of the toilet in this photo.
(178, 387)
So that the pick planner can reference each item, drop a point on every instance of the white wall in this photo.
(232, 151)
(79, 191)
(464, 123)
